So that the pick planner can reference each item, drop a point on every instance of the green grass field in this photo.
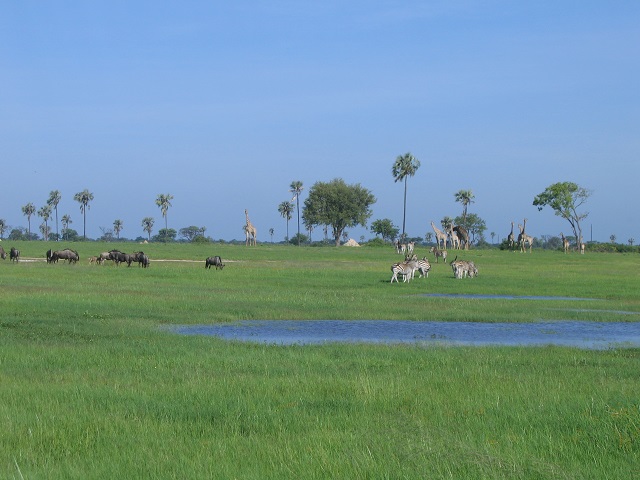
(93, 386)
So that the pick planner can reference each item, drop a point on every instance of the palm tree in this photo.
(271, 232)
(3, 227)
(117, 227)
(296, 188)
(465, 197)
(54, 200)
(28, 210)
(45, 213)
(405, 166)
(285, 209)
(83, 198)
(147, 225)
(66, 220)
(164, 202)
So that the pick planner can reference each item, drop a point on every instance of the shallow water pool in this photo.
(592, 335)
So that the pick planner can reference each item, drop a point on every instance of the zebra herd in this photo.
(411, 264)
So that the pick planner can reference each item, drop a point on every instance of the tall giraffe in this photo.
(250, 231)
(565, 242)
(440, 235)
(511, 238)
(455, 241)
(523, 238)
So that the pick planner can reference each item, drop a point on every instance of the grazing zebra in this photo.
(423, 267)
(403, 269)
(464, 268)
(439, 253)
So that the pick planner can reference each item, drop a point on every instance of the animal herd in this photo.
(14, 254)
(115, 256)
(411, 265)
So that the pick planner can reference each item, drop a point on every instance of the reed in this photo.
(93, 386)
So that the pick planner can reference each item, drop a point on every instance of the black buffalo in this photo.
(214, 261)
(14, 254)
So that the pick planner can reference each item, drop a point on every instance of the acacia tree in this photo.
(28, 210)
(405, 166)
(117, 227)
(565, 198)
(464, 197)
(286, 209)
(147, 225)
(83, 198)
(339, 205)
(53, 201)
(385, 228)
(296, 188)
(164, 202)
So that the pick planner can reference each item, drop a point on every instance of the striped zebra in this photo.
(404, 269)
(423, 267)
(464, 268)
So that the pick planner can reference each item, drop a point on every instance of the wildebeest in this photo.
(140, 257)
(118, 257)
(67, 254)
(103, 256)
(3, 255)
(215, 261)
(14, 254)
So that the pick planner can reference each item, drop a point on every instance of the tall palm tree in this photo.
(28, 210)
(147, 225)
(296, 188)
(54, 200)
(45, 213)
(465, 197)
(66, 220)
(285, 209)
(117, 227)
(164, 202)
(405, 166)
(83, 198)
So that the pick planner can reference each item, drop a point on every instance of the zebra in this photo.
(406, 269)
(463, 269)
(439, 253)
(423, 267)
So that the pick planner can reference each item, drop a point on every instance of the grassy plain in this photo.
(92, 386)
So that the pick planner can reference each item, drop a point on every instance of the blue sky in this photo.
(224, 104)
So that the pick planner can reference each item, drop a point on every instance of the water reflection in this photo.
(593, 335)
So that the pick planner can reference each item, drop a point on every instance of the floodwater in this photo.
(589, 335)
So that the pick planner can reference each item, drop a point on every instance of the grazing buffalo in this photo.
(3, 254)
(215, 261)
(14, 254)
(67, 254)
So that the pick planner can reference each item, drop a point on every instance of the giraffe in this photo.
(440, 235)
(455, 241)
(249, 230)
(523, 238)
(463, 235)
(511, 238)
(565, 242)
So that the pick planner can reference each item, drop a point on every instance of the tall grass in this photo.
(91, 386)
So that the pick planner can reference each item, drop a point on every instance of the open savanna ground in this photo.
(92, 385)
